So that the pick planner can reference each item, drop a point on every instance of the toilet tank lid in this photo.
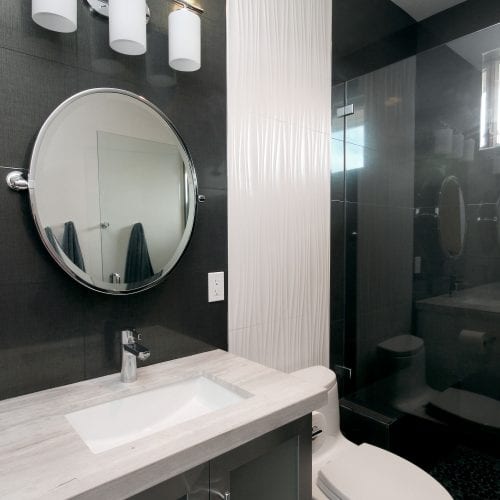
(402, 345)
(317, 375)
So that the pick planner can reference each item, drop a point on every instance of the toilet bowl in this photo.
(405, 387)
(343, 470)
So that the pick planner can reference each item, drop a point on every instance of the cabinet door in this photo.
(276, 466)
(192, 485)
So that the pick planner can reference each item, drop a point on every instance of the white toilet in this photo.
(406, 388)
(343, 470)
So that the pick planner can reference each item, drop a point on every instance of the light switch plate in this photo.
(216, 287)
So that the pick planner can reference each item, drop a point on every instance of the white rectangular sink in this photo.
(122, 421)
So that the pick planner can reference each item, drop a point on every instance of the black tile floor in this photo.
(468, 474)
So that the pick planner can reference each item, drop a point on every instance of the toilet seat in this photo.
(366, 472)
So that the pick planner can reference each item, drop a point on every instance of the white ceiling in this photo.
(421, 9)
(472, 47)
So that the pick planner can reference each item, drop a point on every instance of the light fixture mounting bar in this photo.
(187, 5)
(101, 7)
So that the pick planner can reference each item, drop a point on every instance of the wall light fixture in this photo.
(490, 101)
(184, 37)
(127, 26)
(55, 15)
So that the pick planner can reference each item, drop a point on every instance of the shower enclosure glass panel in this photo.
(419, 326)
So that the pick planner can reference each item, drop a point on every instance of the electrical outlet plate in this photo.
(215, 287)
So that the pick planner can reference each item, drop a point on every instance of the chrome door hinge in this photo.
(345, 111)
(343, 371)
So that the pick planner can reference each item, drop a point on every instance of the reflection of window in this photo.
(356, 154)
(490, 100)
(355, 144)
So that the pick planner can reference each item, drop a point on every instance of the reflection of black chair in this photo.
(138, 266)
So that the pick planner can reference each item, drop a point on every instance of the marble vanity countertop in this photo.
(478, 299)
(42, 456)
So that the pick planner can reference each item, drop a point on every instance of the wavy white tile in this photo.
(279, 180)
(286, 345)
(279, 60)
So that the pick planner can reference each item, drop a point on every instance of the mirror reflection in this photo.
(112, 190)
(451, 217)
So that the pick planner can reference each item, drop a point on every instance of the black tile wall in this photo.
(53, 330)
(371, 34)
(380, 155)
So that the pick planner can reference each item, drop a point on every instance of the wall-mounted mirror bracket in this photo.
(17, 181)
(101, 7)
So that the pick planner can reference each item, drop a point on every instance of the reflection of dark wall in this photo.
(371, 34)
(448, 92)
(53, 330)
(379, 214)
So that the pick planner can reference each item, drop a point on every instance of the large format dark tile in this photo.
(337, 264)
(384, 256)
(199, 116)
(42, 338)
(27, 102)
(18, 32)
(374, 177)
(207, 249)
(22, 248)
(54, 330)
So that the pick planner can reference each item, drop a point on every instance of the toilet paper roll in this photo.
(476, 343)
(318, 423)
(457, 149)
(443, 141)
(469, 150)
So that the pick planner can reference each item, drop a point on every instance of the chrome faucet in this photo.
(131, 350)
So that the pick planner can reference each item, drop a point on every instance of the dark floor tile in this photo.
(469, 474)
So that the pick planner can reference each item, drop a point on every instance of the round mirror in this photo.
(451, 217)
(113, 190)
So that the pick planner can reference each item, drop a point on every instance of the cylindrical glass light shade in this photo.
(184, 40)
(55, 15)
(490, 101)
(127, 26)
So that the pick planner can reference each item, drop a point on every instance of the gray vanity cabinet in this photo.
(275, 466)
(192, 485)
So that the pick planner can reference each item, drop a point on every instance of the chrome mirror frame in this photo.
(448, 180)
(64, 263)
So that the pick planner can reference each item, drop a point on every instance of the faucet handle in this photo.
(136, 334)
(127, 337)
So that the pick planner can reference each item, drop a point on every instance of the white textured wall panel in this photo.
(279, 78)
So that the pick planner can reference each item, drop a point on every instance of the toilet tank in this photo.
(322, 376)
